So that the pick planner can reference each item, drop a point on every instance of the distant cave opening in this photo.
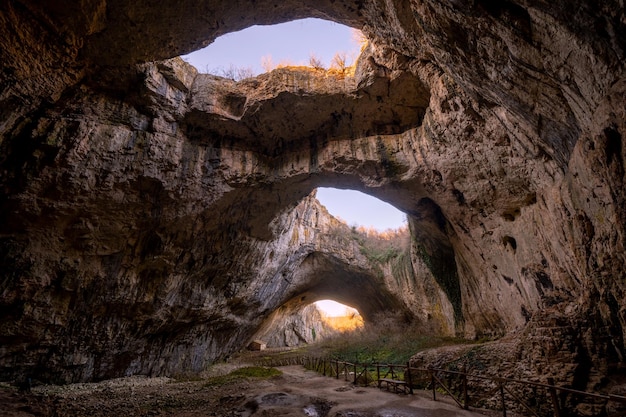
(316, 43)
(335, 294)
(339, 316)
(297, 324)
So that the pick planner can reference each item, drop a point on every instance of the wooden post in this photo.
(555, 398)
(355, 374)
(502, 397)
(378, 374)
(407, 377)
(432, 382)
(464, 387)
(337, 369)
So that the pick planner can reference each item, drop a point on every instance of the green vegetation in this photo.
(255, 372)
(389, 341)
(378, 246)
(381, 255)
(248, 372)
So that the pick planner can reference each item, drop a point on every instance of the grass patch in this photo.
(248, 372)
(255, 372)
(389, 341)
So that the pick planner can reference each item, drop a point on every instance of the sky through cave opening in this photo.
(258, 49)
(359, 209)
(247, 52)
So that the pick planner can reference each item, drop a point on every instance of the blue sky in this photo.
(294, 42)
(358, 208)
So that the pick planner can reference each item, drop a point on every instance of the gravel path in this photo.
(297, 392)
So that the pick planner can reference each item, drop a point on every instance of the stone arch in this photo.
(325, 276)
(224, 216)
(323, 263)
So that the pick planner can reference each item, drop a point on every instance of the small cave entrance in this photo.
(326, 275)
(316, 43)
(296, 324)
(339, 316)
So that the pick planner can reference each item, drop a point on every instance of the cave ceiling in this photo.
(152, 217)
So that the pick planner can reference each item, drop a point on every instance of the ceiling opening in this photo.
(259, 49)
(359, 209)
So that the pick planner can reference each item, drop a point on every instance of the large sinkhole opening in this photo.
(359, 210)
(315, 43)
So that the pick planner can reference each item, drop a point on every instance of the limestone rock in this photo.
(552, 349)
(303, 327)
(152, 218)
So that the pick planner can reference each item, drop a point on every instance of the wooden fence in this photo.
(464, 388)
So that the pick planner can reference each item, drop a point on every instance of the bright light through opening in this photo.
(334, 309)
(357, 208)
(339, 316)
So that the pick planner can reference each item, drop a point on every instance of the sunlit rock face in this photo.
(152, 218)
(302, 327)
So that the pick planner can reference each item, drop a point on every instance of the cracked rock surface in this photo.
(153, 218)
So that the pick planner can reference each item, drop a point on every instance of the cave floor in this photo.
(297, 392)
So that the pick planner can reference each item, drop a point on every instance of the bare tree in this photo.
(359, 38)
(316, 62)
(266, 63)
(340, 62)
(234, 73)
(243, 73)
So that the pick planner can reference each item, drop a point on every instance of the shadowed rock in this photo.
(151, 218)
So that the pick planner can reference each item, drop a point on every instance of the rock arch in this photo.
(326, 276)
(136, 211)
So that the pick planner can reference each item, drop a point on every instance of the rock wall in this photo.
(303, 327)
(151, 218)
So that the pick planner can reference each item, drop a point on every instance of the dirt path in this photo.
(300, 392)
(297, 392)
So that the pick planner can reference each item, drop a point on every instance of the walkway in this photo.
(299, 389)
(295, 393)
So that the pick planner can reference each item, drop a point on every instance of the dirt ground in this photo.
(297, 392)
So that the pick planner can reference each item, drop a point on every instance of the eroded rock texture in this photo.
(304, 326)
(152, 218)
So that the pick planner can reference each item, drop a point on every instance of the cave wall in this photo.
(291, 329)
(150, 217)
